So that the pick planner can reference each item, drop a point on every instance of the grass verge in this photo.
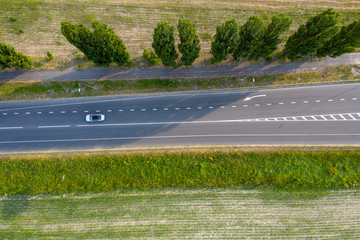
(17, 90)
(108, 172)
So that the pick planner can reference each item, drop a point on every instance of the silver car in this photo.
(95, 117)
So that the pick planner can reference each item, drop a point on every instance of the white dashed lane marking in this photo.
(62, 112)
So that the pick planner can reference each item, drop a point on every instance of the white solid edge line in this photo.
(184, 136)
(59, 126)
(7, 128)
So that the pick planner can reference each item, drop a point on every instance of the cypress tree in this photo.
(189, 41)
(345, 41)
(270, 41)
(310, 37)
(164, 43)
(10, 58)
(250, 36)
(225, 40)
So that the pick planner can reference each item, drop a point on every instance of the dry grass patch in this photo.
(134, 21)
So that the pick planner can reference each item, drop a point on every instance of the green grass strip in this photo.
(99, 173)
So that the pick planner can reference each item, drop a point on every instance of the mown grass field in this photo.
(230, 213)
(33, 26)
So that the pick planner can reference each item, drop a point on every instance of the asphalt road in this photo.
(328, 114)
(184, 72)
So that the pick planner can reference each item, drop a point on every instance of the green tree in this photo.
(189, 41)
(164, 43)
(10, 58)
(102, 46)
(250, 36)
(225, 40)
(345, 41)
(270, 41)
(310, 37)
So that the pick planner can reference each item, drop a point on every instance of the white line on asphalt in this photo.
(306, 101)
(233, 106)
(188, 108)
(51, 112)
(245, 105)
(199, 107)
(323, 117)
(39, 112)
(16, 113)
(63, 112)
(330, 100)
(120, 110)
(269, 104)
(256, 105)
(342, 116)
(143, 109)
(343, 99)
(27, 113)
(177, 108)
(304, 118)
(317, 101)
(97, 110)
(58, 126)
(154, 109)
(354, 98)
(313, 117)
(281, 103)
(222, 106)
(211, 107)
(333, 117)
(109, 110)
(9, 128)
(86, 111)
(74, 111)
(293, 102)
(132, 110)
(352, 116)
(165, 109)
(183, 136)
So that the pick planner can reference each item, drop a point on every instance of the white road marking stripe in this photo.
(233, 106)
(177, 108)
(342, 117)
(222, 106)
(294, 118)
(352, 116)
(256, 105)
(143, 109)
(333, 117)
(120, 110)
(330, 100)
(281, 103)
(184, 136)
(27, 113)
(58, 126)
(211, 107)
(109, 110)
(165, 109)
(51, 112)
(74, 111)
(132, 110)
(343, 99)
(269, 104)
(354, 98)
(16, 113)
(317, 101)
(306, 101)
(39, 112)
(358, 114)
(245, 105)
(323, 117)
(63, 112)
(86, 111)
(154, 109)
(188, 108)
(199, 107)
(9, 128)
(293, 102)
(313, 117)
(304, 118)
(97, 110)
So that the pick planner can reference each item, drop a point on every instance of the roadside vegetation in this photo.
(25, 24)
(24, 90)
(321, 170)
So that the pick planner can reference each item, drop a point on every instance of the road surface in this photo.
(185, 72)
(328, 114)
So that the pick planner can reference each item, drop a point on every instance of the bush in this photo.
(10, 58)
(146, 54)
(49, 56)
